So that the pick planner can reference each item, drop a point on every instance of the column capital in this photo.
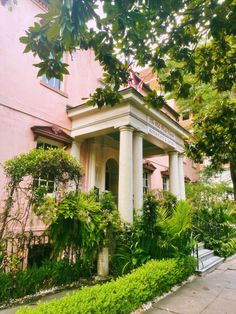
(93, 140)
(126, 128)
(139, 133)
(172, 152)
(77, 141)
(181, 154)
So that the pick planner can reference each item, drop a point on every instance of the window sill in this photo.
(58, 91)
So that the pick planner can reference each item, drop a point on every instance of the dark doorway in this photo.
(111, 183)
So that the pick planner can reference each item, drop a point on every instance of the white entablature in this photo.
(158, 128)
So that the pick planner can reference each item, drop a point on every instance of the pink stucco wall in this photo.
(24, 101)
(191, 170)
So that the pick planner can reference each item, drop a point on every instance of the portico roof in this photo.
(158, 127)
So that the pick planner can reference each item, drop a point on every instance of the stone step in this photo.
(204, 254)
(200, 246)
(209, 264)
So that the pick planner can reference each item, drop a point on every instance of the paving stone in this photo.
(185, 304)
(229, 294)
(214, 293)
(221, 306)
(201, 289)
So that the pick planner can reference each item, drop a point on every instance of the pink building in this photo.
(126, 149)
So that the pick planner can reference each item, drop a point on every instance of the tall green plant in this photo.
(83, 224)
(213, 226)
(176, 238)
(164, 230)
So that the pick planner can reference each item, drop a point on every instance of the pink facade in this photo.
(27, 101)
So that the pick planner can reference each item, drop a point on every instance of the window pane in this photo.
(51, 186)
(53, 82)
(186, 115)
(47, 180)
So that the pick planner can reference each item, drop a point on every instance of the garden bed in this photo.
(124, 294)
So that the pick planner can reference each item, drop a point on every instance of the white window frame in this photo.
(146, 180)
(53, 82)
(165, 183)
(53, 144)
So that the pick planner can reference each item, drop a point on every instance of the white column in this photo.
(100, 165)
(92, 166)
(103, 262)
(138, 170)
(75, 148)
(125, 195)
(174, 173)
(181, 177)
(75, 152)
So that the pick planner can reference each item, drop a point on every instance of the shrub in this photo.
(176, 234)
(26, 282)
(162, 231)
(214, 216)
(213, 226)
(203, 194)
(227, 248)
(123, 295)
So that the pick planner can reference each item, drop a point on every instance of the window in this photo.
(185, 115)
(53, 82)
(45, 146)
(165, 183)
(146, 181)
(46, 180)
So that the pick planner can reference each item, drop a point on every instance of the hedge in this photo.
(27, 282)
(124, 294)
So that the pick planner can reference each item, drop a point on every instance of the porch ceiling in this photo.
(149, 149)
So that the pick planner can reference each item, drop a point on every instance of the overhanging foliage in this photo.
(199, 35)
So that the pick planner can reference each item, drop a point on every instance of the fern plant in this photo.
(176, 236)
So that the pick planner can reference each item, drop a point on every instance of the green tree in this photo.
(214, 130)
(213, 125)
(198, 34)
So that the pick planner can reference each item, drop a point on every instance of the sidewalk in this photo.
(213, 294)
(57, 295)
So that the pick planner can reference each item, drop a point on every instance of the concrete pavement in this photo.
(213, 294)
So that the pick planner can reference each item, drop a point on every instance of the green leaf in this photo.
(54, 30)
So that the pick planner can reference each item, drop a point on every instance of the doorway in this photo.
(111, 182)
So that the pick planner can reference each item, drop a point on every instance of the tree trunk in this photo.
(233, 175)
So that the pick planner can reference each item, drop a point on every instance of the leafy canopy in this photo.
(214, 131)
(198, 34)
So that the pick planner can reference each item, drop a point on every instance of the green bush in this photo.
(164, 230)
(123, 295)
(213, 226)
(214, 216)
(227, 248)
(26, 282)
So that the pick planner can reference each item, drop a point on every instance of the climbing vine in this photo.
(24, 191)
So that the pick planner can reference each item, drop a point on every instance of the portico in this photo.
(117, 139)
